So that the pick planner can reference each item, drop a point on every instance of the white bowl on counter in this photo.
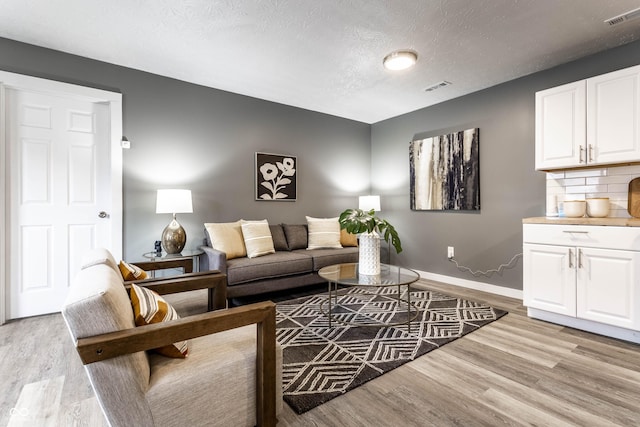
(598, 207)
(575, 208)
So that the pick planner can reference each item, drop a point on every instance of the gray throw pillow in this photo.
(296, 236)
(279, 240)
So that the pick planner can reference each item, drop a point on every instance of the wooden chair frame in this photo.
(263, 314)
(213, 280)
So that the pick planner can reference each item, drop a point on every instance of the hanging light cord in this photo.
(487, 273)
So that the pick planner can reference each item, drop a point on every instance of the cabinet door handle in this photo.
(575, 232)
(579, 258)
(581, 151)
(570, 258)
(590, 153)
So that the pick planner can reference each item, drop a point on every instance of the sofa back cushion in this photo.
(296, 236)
(98, 303)
(226, 237)
(279, 239)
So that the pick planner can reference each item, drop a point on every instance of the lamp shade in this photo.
(174, 201)
(366, 203)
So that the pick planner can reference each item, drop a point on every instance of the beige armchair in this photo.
(232, 376)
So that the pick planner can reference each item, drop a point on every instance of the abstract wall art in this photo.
(445, 171)
(275, 177)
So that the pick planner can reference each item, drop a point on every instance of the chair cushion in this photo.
(323, 233)
(257, 238)
(98, 256)
(131, 272)
(149, 308)
(227, 237)
(215, 383)
(296, 236)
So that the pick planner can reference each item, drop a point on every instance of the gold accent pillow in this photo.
(131, 272)
(323, 233)
(348, 239)
(257, 238)
(227, 237)
(149, 308)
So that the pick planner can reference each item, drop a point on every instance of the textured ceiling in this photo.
(325, 55)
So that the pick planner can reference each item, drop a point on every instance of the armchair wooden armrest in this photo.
(263, 314)
(214, 281)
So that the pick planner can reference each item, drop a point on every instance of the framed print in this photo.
(275, 177)
(445, 171)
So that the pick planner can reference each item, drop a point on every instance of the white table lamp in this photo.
(366, 203)
(174, 201)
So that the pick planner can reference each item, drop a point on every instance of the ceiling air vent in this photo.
(437, 86)
(627, 16)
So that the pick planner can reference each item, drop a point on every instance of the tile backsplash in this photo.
(611, 182)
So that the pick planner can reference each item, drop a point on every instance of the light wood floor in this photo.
(515, 371)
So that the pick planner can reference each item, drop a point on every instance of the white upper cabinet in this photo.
(590, 122)
(561, 126)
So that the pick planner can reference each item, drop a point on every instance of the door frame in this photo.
(36, 84)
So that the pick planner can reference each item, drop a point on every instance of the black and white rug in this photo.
(322, 362)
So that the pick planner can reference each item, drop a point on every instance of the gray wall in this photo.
(205, 139)
(188, 136)
(510, 187)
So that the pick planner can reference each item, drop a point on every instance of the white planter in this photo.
(369, 255)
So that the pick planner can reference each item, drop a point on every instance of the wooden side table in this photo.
(189, 261)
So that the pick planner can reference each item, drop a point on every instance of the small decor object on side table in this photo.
(370, 228)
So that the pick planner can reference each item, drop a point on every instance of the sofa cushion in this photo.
(131, 272)
(323, 233)
(296, 236)
(325, 257)
(257, 238)
(347, 239)
(226, 237)
(278, 237)
(150, 308)
(242, 270)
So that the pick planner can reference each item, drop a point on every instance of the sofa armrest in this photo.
(263, 314)
(213, 259)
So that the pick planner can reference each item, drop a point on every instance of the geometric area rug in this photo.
(322, 362)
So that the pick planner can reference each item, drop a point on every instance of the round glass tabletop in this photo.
(347, 274)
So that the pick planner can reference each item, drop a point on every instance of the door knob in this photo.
(102, 214)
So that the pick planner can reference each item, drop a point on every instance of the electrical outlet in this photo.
(450, 252)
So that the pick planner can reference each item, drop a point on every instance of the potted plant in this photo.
(370, 228)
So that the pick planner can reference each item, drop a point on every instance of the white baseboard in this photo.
(471, 284)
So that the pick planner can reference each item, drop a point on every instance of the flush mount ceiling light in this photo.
(400, 60)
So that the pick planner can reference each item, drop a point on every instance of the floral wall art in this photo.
(445, 171)
(275, 177)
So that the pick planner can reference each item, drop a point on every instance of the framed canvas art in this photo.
(275, 177)
(445, 171)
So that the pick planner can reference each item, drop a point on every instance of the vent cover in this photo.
(437, 86)
(627, 16)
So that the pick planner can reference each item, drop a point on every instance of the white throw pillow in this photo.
(257, 238)
(323, 233)
(227, 237)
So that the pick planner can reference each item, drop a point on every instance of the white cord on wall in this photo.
(487, 273)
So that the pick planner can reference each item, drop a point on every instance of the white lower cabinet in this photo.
(586, 273)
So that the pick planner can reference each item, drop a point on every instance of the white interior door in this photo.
(60, 195)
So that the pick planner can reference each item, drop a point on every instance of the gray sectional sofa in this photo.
(291, 266)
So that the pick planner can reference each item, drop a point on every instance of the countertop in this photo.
(616, 222)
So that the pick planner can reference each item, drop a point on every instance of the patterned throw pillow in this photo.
(227, 237)
(348, 239)
(149, 308)
(323, 233)
(132, 272)
(257, 238)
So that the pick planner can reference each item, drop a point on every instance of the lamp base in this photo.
(174, 237)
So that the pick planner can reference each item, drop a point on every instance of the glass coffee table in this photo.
(390, 276)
